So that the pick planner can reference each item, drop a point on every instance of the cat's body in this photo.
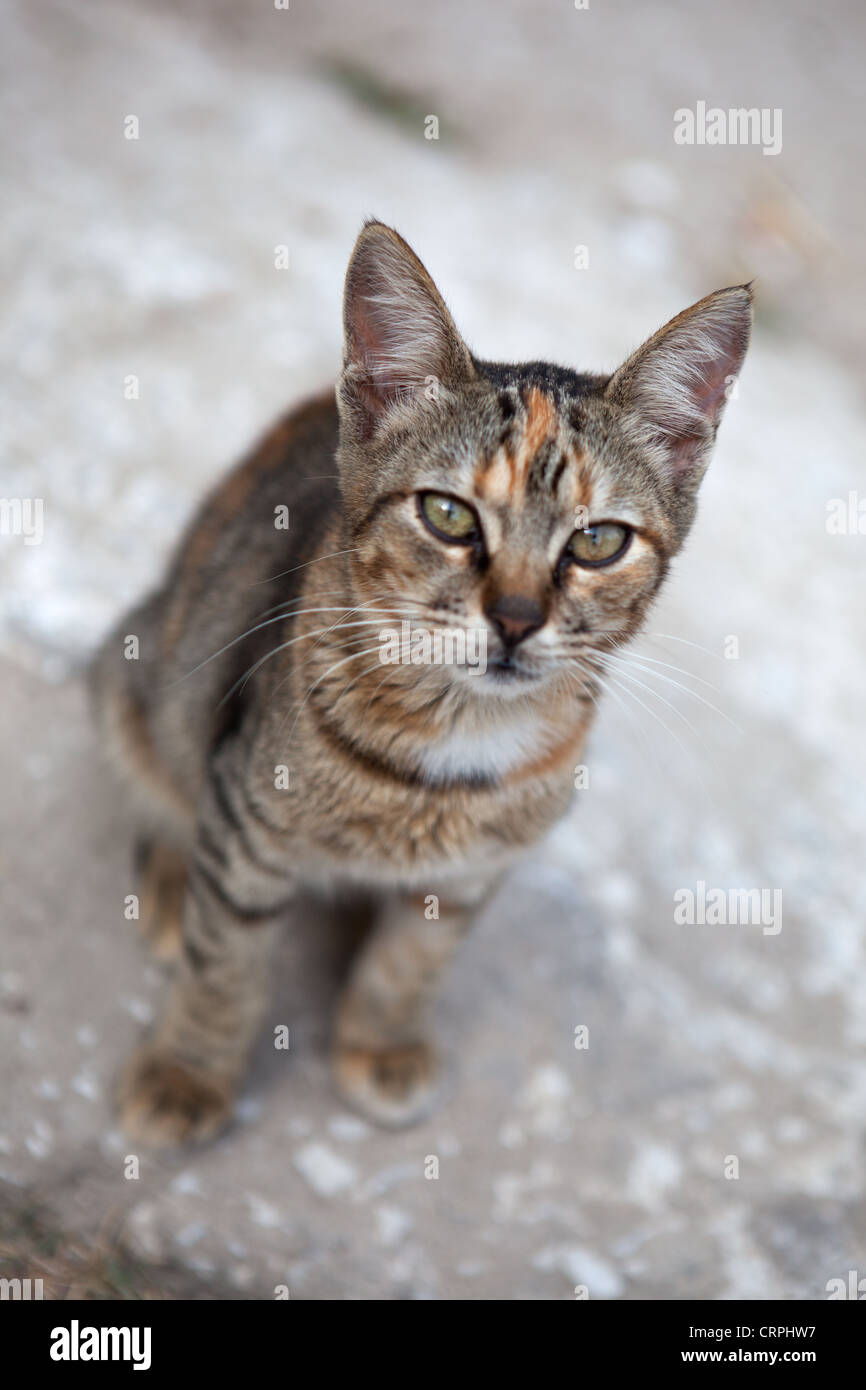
(275, 749)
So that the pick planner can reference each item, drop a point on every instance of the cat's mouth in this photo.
(510, 675)
(505, 668)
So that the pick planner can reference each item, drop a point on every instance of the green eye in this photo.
(448, 518)
(599, 544)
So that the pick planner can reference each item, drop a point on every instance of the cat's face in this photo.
(530, 508)
(502, 518)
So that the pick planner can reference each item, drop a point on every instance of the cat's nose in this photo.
(515, 617)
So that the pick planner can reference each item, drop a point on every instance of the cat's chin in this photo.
(501, 680)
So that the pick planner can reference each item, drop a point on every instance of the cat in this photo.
(270, 748)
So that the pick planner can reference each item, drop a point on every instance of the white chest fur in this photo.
(491, 751)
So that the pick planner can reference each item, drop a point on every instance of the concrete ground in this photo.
(708, 1142)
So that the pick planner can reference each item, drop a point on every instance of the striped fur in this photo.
(416, 784)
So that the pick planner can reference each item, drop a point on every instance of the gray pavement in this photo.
(708, 1142)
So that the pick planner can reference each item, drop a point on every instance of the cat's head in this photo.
(537, 506)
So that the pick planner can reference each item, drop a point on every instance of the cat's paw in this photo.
(394, 1086)
(164, 1104)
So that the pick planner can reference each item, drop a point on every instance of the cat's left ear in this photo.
(676, 385)
(400, 342)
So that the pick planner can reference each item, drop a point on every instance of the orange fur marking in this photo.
(541, 421)
(494, 478)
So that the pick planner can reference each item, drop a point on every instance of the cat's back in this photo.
(263, 518)
(245, 550)
(240, 561)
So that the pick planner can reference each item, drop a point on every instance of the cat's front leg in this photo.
(179, 1086)
(384, 1062)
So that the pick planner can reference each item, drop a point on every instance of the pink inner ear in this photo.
(720, 371)
(710, 395)
(381, 340)
(398, 331)
(682, 380)
(683, 454)
(362, 327)
(368, 338)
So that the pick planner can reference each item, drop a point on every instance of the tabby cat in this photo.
(271, 748)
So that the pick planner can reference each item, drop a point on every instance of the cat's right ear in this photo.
(399, 340)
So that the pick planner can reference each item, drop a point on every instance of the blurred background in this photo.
(149, 336)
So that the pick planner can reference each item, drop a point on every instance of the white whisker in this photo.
(695, 694)
(352, 550)
(354, 657)
(304, 636)
(624, 675)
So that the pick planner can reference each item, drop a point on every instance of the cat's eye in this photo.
(599, 545)
(449, 518)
